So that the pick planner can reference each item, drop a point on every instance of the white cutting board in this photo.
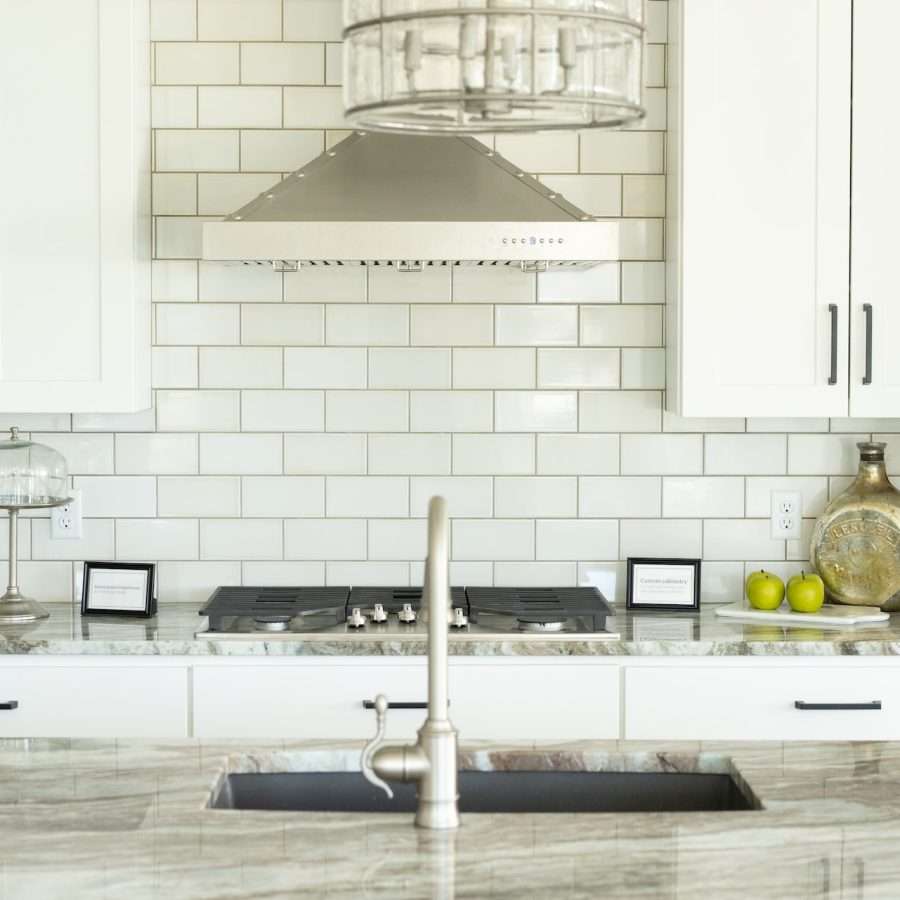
(784, 615)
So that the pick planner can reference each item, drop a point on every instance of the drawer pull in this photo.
(802, 704)
(10, 704)
(414, 704)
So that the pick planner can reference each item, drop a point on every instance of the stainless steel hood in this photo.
(410, 201)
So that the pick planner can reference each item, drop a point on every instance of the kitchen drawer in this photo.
(758, 703)
(94, 701)
(490, 701)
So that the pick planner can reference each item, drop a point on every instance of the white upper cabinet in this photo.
(759, 207)
(875, 283)
(75, 219)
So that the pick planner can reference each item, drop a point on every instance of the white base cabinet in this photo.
(491, 699)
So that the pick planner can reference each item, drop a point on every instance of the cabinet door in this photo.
(875, 322)
(758, 213)
(74, 225)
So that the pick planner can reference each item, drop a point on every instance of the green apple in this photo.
(765, 590)
(806, 593)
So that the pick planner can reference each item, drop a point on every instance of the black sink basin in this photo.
(490, 792)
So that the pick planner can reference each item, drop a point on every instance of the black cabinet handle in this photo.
(833, 310)
(10, 704)
(802, 704)
(415, 704)
(867, 376)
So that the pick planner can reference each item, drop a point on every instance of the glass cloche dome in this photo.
(31, 474)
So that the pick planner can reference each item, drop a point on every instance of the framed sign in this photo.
(670, 584)
(120, 589)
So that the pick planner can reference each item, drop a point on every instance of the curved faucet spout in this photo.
(437, 596)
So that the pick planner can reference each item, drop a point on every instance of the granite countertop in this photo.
(172, 633)
(113, 819)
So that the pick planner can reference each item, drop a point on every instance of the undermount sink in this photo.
(491, 792)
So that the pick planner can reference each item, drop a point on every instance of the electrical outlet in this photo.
(787, 515)
(65, 521)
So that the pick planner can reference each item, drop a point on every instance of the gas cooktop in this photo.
(398, 612)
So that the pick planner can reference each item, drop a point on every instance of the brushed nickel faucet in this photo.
(432, 761)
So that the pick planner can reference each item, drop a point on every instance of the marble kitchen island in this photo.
(130, 820)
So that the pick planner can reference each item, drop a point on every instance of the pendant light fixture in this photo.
(428, 66)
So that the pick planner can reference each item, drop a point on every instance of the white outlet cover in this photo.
(786, 515)
(65, 521)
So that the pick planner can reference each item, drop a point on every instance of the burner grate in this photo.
(275, 601)
(543, 602)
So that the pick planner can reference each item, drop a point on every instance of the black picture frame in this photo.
(148, 610)
(635, 603)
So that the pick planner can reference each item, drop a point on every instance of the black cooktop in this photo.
(235, 609)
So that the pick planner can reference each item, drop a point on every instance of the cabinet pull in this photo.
(10, 704)
(413, 704)
(833, 310)
(867, 377)
(802, 704)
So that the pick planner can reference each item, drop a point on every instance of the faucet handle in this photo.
(369, 751)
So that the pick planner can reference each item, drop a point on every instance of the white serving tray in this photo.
(828, 615)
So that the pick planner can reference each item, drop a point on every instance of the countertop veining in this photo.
(114, 819)
(172, 633)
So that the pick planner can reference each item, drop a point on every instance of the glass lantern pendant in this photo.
(492, 65)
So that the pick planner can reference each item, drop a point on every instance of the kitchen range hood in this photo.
(410, 201)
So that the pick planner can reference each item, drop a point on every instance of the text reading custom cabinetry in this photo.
(75, 220)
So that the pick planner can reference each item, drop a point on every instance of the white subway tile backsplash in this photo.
(535, 574)
(493, 539)
(235, 367)
(536, 411)
(492, 284)
(312, 20)
(673, 538)
(826, 454)
(597, 195)
(621, 326)
(465, 497)
(813, 490)
(197, 63)
(325, 454)
(493, 367)
(536, 325)
(173, 20)
(198, 410)
(193, 581)
(347, 496)
(232, 20)
(283, 573)
(154, 539)
(575, 539)
(283, 496)
(388, 574)
(387, 284)
(284, 324)
(577, 454)
(625, 411)
(114, 496)
(366, 411)
(314, 107)
(173, 280)
(271, 63)
(599, 284)
(324, 539)
(614, 497)
(142, 420)
(409, 454)
(203, 323)
(578, 368)
(550, 151)
(495, 454)
(644, 195)
(240, 454)
(664, 454)
(239, 107)
(643, 368)
(219, 194)
(740, 538)
(174, 194)
(174, 367)
(450, 411)
(746, 454)
(698, 497)
(407, 368)
(325, 367)
(241, 539)
(447, 326)
(86, 454)
(173, 107)
(643, 282)
(334, 63)
(673, 422)
(628, 152)
(278, 151)
(383, 325)
(197, 496)
(530, 497)
(155, 454)
(98, 541)
(799, 425)
(397, 539)
(282, 410)
(327, 284)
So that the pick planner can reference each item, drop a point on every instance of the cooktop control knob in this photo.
(356, 619)
(378, 614)
(458, 619)
(407, 615)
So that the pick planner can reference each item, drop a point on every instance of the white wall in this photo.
(302, 421)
